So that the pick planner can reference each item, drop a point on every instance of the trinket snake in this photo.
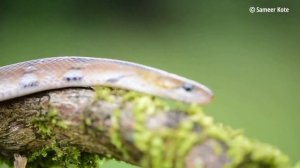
(29, 77)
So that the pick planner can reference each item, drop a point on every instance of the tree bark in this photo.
(131, 127)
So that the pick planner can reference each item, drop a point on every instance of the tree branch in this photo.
(68, 124)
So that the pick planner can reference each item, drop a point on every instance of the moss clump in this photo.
(161, 147)
(47, 122)
(250, 153)
(68, 156)
(115, 135)
(54, 154)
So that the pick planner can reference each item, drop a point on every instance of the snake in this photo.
(25, 78)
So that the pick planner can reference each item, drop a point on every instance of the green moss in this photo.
(245, 152)
(115, 133)
(54, 155)
(47, 122)
(67, 156)
(92, 160)
(160, 147)
(104, 93)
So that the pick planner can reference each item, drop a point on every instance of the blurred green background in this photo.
(250, 61)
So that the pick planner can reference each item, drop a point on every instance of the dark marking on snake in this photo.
(30, 84)
(115, 79)
(76, 68)
(74, 78)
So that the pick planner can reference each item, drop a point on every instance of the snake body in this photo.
(33, 76)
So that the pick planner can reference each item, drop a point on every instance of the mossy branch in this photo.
(81, 126)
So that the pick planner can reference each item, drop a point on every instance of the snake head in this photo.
(185, 90)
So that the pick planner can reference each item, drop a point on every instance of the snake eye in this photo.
(187, 87)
